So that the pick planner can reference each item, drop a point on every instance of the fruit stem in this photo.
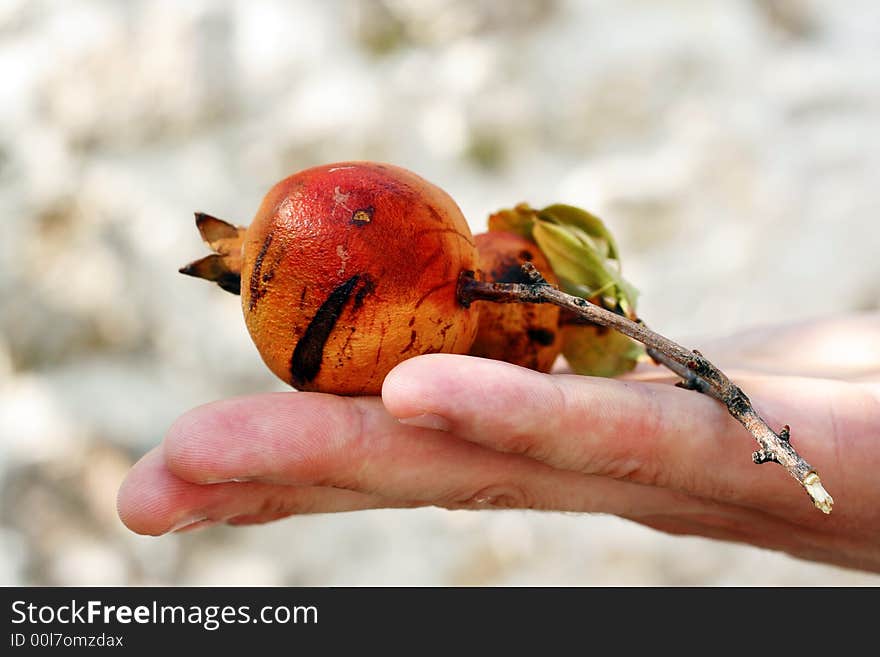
(696, 371)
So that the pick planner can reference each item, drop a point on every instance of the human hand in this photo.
(461, 432)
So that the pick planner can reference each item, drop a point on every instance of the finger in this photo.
(310, 439)
(653, 507)
(153, 501)
(649, 433)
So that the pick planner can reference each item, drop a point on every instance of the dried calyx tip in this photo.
(816, 490)
(224, 265)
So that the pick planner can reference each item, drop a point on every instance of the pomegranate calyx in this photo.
(224, 265)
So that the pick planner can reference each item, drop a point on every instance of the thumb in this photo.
(650, 433)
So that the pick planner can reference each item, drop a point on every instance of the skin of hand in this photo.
(467, 433)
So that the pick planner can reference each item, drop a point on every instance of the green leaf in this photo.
(599, 351)
(580, 248)
(569, 215)
(570, 257)
(581, 268)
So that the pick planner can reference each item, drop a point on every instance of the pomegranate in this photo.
(525, 334)
(346, 270)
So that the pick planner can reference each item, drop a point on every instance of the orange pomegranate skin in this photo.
(349, 269)
(523, 334)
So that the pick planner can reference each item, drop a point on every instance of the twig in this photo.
(695, 370)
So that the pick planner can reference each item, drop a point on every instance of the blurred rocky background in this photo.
(733, 146)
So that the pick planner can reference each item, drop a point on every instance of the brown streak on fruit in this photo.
(257, 290)
(412, 341)
(445, 230)
(347, 344)
(279, 256)
(431, 291)
(368, 287)
(432, 258)
(305, 363)
(443, 331)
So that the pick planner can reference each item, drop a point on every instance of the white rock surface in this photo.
(744, 134)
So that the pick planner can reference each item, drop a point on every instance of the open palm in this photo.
(463, 432)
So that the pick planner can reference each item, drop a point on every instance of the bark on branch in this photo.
(696, 371)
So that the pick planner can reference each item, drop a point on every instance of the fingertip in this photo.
(141, 500)
(270, 437)
(124, 504)
(401, 387)
(430, 384)
(184, 449)
(409, 389)
(209, 444)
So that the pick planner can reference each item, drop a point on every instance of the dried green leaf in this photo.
(571, 258)
(580, 248)
(569, 215)
(599, 351)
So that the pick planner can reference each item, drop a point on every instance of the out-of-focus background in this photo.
(734, 148)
